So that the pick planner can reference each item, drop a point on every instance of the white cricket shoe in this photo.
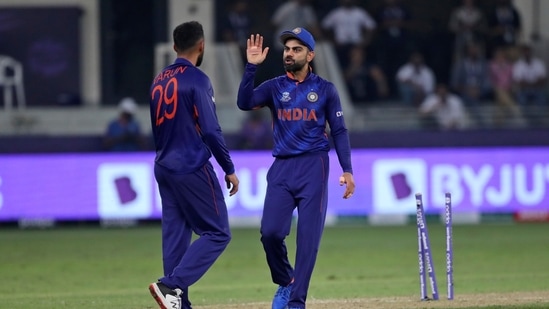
(165, 297)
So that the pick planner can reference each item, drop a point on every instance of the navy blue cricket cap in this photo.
(300, 34)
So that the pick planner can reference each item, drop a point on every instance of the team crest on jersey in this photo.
(312, 96)
(285, 97)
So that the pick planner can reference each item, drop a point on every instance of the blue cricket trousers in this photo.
(300, 182)
(191, 203)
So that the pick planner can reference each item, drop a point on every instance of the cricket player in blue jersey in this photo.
(301, 104)
(186, 134)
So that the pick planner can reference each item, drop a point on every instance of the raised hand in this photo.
(255, 53)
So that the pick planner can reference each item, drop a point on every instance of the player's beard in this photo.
(294, 66)
(199, 59)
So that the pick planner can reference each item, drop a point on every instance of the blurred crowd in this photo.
(476, 58)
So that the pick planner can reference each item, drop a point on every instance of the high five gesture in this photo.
(255, 53)
(302, 105)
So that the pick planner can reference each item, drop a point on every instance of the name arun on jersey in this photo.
(297, 114)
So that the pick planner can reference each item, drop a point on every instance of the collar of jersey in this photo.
(184, 61)
(290, 76)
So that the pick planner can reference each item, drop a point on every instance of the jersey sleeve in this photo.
(328, 21)
(248, 97)
(367, 21)
(428, 105)
(208, 124)
(338, 130)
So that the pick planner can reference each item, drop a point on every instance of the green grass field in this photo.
(92, 267)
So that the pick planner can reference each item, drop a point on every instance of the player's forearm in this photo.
(246, 88)
(250, 98)
(343, 150)
(216, 143)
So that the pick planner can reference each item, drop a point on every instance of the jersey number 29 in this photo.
(166, 96)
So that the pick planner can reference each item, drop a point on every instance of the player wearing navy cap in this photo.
(301, 104)
(186, 134)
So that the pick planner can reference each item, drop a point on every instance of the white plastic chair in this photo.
(11, 81)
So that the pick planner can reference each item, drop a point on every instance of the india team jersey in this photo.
(300, 112)
(185, 127)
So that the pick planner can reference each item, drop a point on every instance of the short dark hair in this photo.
(186, 35)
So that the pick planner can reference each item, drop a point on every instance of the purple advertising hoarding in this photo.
(122, 186)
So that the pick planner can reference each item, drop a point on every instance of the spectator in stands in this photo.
(530, 80)
(504, 22)
(256, 132)
(238, 25)
(349, 26)
(290, 14)
(393, 40)
(501, 77)
(415, 80)
(467, 23)
(124, 132)
(293, 14)
(365, 80)
(471, 80)
(443, 110)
